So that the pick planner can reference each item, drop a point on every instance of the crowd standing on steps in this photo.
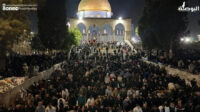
(97, 80)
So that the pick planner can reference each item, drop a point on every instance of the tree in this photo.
(36, 44)
(162, 24)
(12, 25)
(73, 38)
(199, 22)
(52, 23)
(9, 31)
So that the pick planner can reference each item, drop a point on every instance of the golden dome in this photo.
(94, 5)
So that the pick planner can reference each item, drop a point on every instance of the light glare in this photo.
(187, 40)
(80, 18)
(68, 24)
(182, 39)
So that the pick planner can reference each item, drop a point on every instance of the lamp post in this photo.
(198, 37)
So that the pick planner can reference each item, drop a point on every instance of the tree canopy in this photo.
(12, 25)
(52, 28)
(74, 36)
(199, 21)
(36, 44)
(162, 24)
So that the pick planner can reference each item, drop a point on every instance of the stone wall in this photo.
(9, 97)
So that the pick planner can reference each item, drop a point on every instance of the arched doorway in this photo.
(107, 33)
(119, 32)
(82, 29)
(93, 33)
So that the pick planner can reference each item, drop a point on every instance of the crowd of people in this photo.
(15, 63)
(108, 78)
(187, 59)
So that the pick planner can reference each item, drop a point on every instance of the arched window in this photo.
(122, 32)
(119, 29)
(107, 33)
(82, 28)
(119, 32)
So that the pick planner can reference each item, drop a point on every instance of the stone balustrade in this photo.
(9, 97)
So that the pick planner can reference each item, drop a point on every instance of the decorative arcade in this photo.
(95, 22)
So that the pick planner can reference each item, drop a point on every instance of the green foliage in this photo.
(162, 24)
(75, 36)
(12, 25)
(137, 31)
(9, 31)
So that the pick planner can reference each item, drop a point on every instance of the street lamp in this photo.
(80, 19)
(133, 39)
(187, 40)
(119, 20)
(182, 39)
(68, 24)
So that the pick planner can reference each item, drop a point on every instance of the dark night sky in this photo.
(133, 9)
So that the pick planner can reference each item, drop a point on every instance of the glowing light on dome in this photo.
(94, 9)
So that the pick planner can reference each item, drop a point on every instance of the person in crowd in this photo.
(179, 107)
(90, 102)
(61, 104)
(50, 108)
(65, 93)
(187, 59)
(108, 91)
(145, 108)
(81, 100)
(137, 109)
(40, 107)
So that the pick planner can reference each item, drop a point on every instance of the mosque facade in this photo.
(95, 22)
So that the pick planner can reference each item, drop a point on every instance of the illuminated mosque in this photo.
(95, 22)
